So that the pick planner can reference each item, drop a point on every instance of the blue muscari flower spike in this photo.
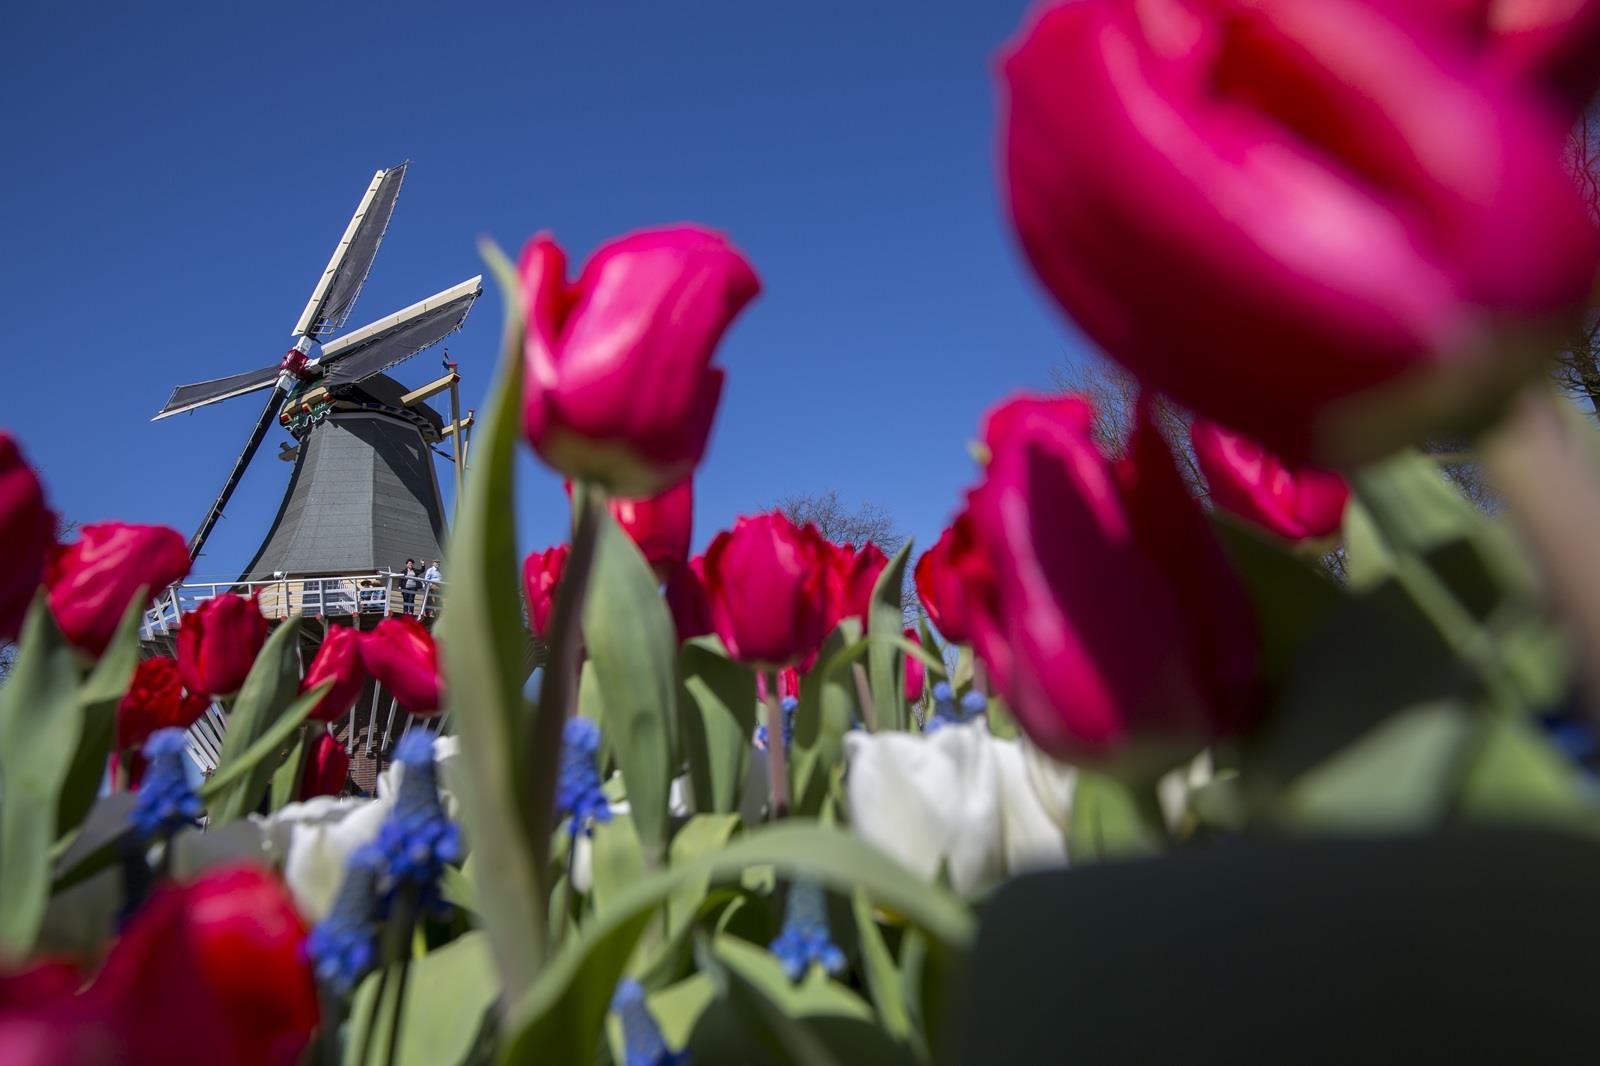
(790, 707)
(417, 840)
(344, 946)
(947, 710)
(578, 793)
(165, 802)
(805, 937)
(643, 1044)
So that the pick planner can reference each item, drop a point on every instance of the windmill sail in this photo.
(340, 284)
(375, 348)
(188, 397)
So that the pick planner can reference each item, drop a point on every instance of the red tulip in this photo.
(402, 655)
(916, 673)
(788, 684)
(853, 575)
(338, 660)
(1294, 217)
(239, 929)
(326, 768)
(950, 577)
(686, 599)
(767, 581)
(93, 579)
(1296, 503)
(660, 525)
(541, 573)
(1114, 616)
(155, 700)
(27, 529)
(620, 388)
(218, 642)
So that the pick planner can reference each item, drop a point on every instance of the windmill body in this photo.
(363, 496)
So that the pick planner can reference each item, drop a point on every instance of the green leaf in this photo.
(1291, 595)
(616, 858)
(1111, 820)
(884, 663)
(877, 965)
(561, 1017)
(827, 702)
(448, 993)
(630, 639)
(1368, 562)
(702, 835)
(40, 726)
(1516, 773)
(269, 689)
(483, 644)
(718, 712)
(98, 699)
(267, 745)
(286, 782)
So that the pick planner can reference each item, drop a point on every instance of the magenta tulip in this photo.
(1297, 503)
(93, 579)
(27, 529)
(768, 584)
(1114, 617)
(1323, 223)
(853, 575)
(660, 525)
(218, 642)
(620, 388)
(951, 577)
(541, 574)
(915, 671)
(685, 593)
(401, 654)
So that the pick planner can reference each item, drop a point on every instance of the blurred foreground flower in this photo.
(620, 389)
(1330, 228)
(27, 529)
(1116, 617)
(93, 579)
(1296, 503)
(641, 1035)
(218, 642)
(958, 799)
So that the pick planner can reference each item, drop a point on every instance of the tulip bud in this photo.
(541, 573)
(1319, 223)
(767, 581)
(326, 768)
(685, 593)
(337, 660)
(853, 575)
(155, 700)
(1115, 617)
(402, 655)
(620, 389)
(952, 577)
(915, 671)
(92, 579)
(27, 529)
(218, 642)
(1296, 503)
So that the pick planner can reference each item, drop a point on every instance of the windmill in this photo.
(315, 374)
(363, 496)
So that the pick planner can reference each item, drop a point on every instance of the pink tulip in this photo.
(853, 575)
(768, 584)
(660, 525)
(915, 671)
(218, 642)
(337, 660)
(1553, 45)
(1329, 227)
(541, 574)
(401, 654)
(93, 579)
(1296, 503)
(951, 577)
(620, 388)
(27, 529)
(1114, 617)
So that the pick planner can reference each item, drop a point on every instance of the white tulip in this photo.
(958, 799)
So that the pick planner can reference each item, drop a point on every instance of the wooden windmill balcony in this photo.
(364, 598)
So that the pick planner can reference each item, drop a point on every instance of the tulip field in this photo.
(1291, 760)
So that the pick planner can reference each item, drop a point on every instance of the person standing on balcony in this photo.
(409, 584)
(430, 594)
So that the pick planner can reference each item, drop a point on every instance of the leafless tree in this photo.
(843, 524)
(1114, 394)
(1577, 366)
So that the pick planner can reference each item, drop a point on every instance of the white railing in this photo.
(338, 595)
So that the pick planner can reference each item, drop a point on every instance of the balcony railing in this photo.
(329, 596)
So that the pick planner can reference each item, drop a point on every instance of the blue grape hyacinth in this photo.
(417, 840)
(805, 937)
(643, 1044)
(343, 948)
(578, 793)
(947, 710)
(166, 802)
(790, 707)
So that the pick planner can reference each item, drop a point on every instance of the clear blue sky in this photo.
(175, 181)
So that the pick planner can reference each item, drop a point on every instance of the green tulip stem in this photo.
(558, 696)
(869, 717)
(777, 765)
(1549, 476)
